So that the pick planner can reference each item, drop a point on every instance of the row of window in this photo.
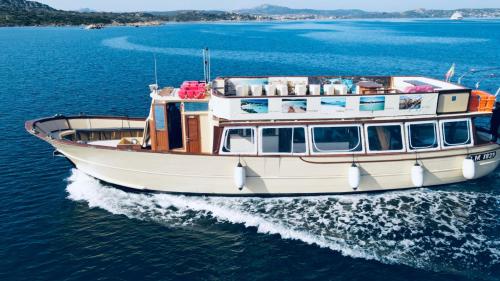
(341, 139)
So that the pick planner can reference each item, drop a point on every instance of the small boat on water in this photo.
(94, 26)
(287, 136)
(457, 16)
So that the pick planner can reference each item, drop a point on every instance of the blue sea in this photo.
(56, 223)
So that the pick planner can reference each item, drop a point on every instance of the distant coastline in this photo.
(31, 13)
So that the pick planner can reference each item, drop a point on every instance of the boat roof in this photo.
(227, 86)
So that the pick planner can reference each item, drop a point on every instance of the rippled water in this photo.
(58, 223)
(428, 229)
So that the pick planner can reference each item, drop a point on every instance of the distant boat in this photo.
(94, 26)
(457, 16)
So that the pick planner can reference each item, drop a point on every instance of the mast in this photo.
(206, 65)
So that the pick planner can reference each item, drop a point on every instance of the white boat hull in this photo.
(275, 176)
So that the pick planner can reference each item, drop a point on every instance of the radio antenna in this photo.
(156, 71)
(206, 65)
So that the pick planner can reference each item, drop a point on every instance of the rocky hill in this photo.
(31, 13)
(27, 13)
(285, 12)
(269, 10)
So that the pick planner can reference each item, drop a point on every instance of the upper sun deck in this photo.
(323, 97)
(334, 97)
(328, 85)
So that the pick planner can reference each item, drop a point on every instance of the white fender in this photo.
(354, 176)
(239, 176)
(417, 175)
(469, 168)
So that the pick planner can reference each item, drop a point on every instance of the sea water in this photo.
(57, 223)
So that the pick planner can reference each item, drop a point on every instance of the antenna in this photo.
(206, 65)
(154, 87)
(156, 71)
(472, 70)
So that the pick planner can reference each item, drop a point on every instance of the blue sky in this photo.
(165, 5)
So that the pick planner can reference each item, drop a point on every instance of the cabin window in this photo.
(385, 137)
(195, 106)
(159, 111)
(422, 135)
(239, 141)
(482, 130)
(456, 132)
(283, 140)
(336, 139)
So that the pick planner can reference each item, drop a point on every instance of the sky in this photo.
(167, 5)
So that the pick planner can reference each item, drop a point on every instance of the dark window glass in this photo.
(174, 125)
(482, 130)
(336, 139)
(283, 140)
(456, 133)
(422, 136)
(385, 138)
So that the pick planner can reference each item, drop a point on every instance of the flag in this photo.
(450, 73)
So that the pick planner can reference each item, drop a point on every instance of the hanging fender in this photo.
(417, 175)
(468, 168)
(239, 176)
(354, 176)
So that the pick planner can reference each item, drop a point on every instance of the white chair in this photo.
(314, 89)
(256, 90)
(340, 89)
(329, 89)
(270, 90)
(282, 89)
(241, 90)
(300, 90)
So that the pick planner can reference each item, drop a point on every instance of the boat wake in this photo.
(288, 58)
(449, 231)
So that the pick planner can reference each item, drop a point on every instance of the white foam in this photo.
(386, 38)
(437, 230)
(344, 63)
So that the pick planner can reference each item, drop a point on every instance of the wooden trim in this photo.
(152, 134)
(217, 136)
(165, 113)
(187, 136)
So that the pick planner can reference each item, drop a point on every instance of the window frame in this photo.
(261, 140)
(436, 130)
(442, 132)
(224, 136)
(403, 136)
(361, 139)
(158, 114)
